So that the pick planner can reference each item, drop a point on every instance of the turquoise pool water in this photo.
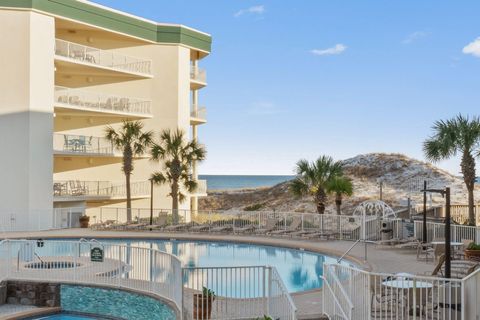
(300, 270)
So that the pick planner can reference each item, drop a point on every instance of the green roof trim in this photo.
(91, 14)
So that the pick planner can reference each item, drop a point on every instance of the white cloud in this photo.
(412, 37)
(259, 10)
(473, 48)
(337, 49)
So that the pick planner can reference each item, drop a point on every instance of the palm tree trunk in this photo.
(175, 201)
(129, 199)
(321, 198)
(338, 203)
(468, 171)
(127, 169)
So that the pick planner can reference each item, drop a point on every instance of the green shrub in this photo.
(473, 246)
(254, 207)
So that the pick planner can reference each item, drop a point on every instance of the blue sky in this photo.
(297, 79)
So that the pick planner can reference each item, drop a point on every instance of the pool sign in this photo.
(96, 254)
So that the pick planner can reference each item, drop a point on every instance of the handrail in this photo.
(325, 281)
(346, 252)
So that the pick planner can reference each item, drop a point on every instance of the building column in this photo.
(26, 118)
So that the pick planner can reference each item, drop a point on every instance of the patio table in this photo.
(412, 291)
(456, 246)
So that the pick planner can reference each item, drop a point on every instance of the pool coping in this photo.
(41, 311)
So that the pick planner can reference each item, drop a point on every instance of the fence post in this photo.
(269, 289)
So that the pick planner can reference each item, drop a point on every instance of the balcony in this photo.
(198, 116)
(198, 77)
(75, 190)
(108, 60)
(201, 190)
(74, 145)
(88, 103)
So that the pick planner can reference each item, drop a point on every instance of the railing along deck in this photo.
(102, 58)
(77, 188)
(199, 113)
(92, 101)
(79, 144)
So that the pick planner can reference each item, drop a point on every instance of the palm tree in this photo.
(340, 186)
(177, 156)
(313, 178)
(132, 141)
(460, 135)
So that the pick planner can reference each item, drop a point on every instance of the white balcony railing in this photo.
(76, 188)
(75, 144)
(101, 102)
(102, 58)
(200, 113)
(198, 74)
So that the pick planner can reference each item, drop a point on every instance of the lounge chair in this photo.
(270, 225)
(135, 226)
(160, 223)
(176, 227)
(245, 229)
(408, 244)
(326, 234)
(294, 226)
(223, 228)
(200, 228)
(459, 269)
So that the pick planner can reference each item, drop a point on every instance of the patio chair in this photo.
(270, 225)
(426, 250)
(384, 302)
(460, 254)
(294, 226)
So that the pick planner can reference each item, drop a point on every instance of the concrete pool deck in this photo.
(308, 303)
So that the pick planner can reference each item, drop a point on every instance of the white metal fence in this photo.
(351, 293)
(341, 227)
(437, 231)
(103, 58)
(241, 293)
(101, 102)
(122, 266)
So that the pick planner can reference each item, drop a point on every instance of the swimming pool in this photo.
(87, 303)
(300, 270)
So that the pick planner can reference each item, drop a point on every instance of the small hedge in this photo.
(473, 246)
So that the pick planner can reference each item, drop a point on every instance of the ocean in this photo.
(229, 182)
